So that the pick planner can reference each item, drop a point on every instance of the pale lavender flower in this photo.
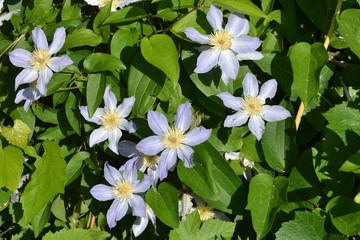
(111, 119)
(114, 5)
(29, 94)
(144, 163)
(6, 16)
(39, 65)
(253, 106)
(141, 222)
(125, 189)
(246, 163)
(225, 47)
(174, 141)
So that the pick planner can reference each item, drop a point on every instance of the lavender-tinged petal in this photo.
(196, 136)
(97, 136)
(157, 122)
(58, 40)
(96, 118)
(232, 155)
(274, 113)
(27, 104)
(1, 5)
(39, 39)
(195, 36)
(123, 3)
(237, 25)
(250, 85)
(102, 192)
(139, 225)
(109, 98)
(183, 117)
(154, 176)
(229, 63)
(268, 89)
(20, 58)
(185, 153)
(43, 80)
(257, 126)
(125, 107)
(114, 138)
(220, 215)
(245, 44)
(225, 78)
(249, 56)
(127, 125)
(128, 149)
(130, 171)
(57, 64)
(25, 76)
(29, 95)
(167, 161)
(206, 61)
(236, 119)
(111, 174)
(230, 101)
(215, 17)
(143, 185)
(116, 212)
(151, 145)
(137, 205)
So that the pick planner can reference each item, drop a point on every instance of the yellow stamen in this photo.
(172, 139)
(110, 119)
(220, 40)
(39, 59)
(205, 212)
(149, 161)
(123, 190)
(252, 105)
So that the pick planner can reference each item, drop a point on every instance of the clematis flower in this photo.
(29, 94)
(174, 141)
(39, 65)
(111, 119)
(253, 106)
(225, 47)
(114, 5)
(247, 164)
(145, 163)
(185, 205)
(6, 16)
(125, 189)
(206, 212)
(141, 222)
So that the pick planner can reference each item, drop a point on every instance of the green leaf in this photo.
(95, 89)
(39, 221)
(82, 37)
(39, 12)
(352, 164)
(47, 181)
(58, 208)
(164, 202)
(307, 61)
(76, 234)
(317, 12)
(349, 27)
(122, 44)
(72, 112)
(305, 226)
(196, 19)
(266, 195)
(74, 166)
(160, 51)
(97, 62)
(125, 15)
(11, 162)
(187, 229)
(44, 113)
(243, 6)
(69, 11)
(17, 135)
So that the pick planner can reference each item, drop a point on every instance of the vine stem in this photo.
(326, 45)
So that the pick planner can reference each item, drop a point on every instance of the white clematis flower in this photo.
(6, 16)
(114, 5)
(29, 94)
(247, 164)
(141, 222)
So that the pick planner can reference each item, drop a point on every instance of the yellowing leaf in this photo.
(17, 135)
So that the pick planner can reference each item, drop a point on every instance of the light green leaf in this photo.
(349, 27)
(39, 221)
(11, 162)
(74, 166)
(187, 229)
(305, 226)
(97, 62)
(196, 19)
(164, 202)
(95, 89)
(82, 37)
(125, 15)
(69, 11)
(39, 12)
(58, 208)
(45, 114)
(160, 51)
(243, 6)
(122, 44)
(17, 135)
(76, 234)
(47, 181)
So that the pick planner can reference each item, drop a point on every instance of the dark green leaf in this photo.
(95, 89)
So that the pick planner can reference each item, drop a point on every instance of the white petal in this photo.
(215, 17)
(57, 64)
(236, 119)
(139, 225)
(207, 60)
(25, 76)
(274, 113)
(7, 16)
(268, 89)
(150, 145)
(43, 80)
(229, 63)
(102, 192)
(250, 85)
(20, 57)
(128, 149)
(225, 78)
(232, 155)
(125, 107)
(109, 98)
(230, 101)
(92, 2)
(183, 117)
(237, 24)
(195, 36)
(58, 40)
(249, 56)
(257, 126)
(157, 122)
(39, 38)
(245, 44)
(114, 138)
(96, 118)
(97, 136)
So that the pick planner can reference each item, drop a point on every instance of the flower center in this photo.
(123, 190)
(149, 161)
(205, 213)
(172, 139)
(39, 59)
(220, 40)
(252, 105)
(110, 119)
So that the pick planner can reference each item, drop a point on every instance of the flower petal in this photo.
(139, 225)
(111, 174)
(183, 117)
(249, 56)
(229, 63)
(207, 60)
(29, 95)
(126, 125)
(274, 113)
(195, 36)
(237, 25)
(167, 161)
(196, 136)
(230, 101)
(116, 212)
(125, 107)
(114, 138)
(268, 89)
(109, 98)
(137, 205)
(25, 76)
(245, 44)
(215, 17)
(39, 39)
(236, 119)
(57, 64)
(102, 192)
(185, 153)
(43, 80)
(97, 136)
(157, 122)
(143, 185)
(96, 118)
(150, 145)
(232, 155)
(257, 126)
(250, 85)
(20, 58)
(58, 40)
(128, 149)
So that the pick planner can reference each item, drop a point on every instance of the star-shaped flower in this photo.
(225, 47)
